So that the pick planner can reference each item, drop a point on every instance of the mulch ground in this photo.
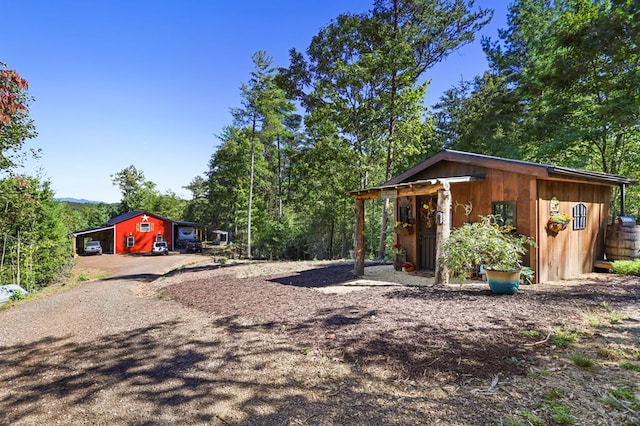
(450, 333)
(297, 343)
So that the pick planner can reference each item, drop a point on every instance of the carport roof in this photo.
(92, 230)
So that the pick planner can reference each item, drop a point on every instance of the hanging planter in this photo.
(556, 227)
(558, 222)
(403, 228)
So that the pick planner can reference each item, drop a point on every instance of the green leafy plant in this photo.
(17, 295)
(561, 414)
(564, 337)
(526, 275)
(616, 318)
(560, 218)
(630, 366)
(483, 243)
(626, 267)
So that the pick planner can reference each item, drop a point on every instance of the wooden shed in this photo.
(453, 187)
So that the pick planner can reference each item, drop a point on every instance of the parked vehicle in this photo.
(194, 246)
(11, 292)
(160, 247)
(93, 247)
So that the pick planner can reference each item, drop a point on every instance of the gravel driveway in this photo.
(260, 344)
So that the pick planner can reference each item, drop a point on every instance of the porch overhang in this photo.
(440, 186)
(414, 188)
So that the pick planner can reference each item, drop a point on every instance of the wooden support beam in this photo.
(358, 268)
(443, 230)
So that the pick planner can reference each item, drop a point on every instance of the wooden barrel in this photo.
(622, 242)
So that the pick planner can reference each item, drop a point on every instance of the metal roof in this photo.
(92, 230)
(539, 169)
(131, 214)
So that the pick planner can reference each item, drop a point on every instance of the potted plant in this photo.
(399, 257)
(485, 243)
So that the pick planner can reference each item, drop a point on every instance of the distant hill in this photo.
(79, 201)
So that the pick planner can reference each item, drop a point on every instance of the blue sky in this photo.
(150, 83)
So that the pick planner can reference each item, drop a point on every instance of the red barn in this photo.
(133, 232)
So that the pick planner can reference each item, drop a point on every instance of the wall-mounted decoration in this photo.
(558, 222)
(428, 211)
(554, 206)
(468, 208)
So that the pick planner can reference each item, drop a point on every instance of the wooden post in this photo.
(443, 230)
(358, 268)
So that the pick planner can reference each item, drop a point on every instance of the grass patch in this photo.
(616, 318)
(531, 333)
(561, 414)
(623, 399)
(611, 353)
(523, 418)
(554, 394)
(564, 337)
(582, 361)
(632, 366)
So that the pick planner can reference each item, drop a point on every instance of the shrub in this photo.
(483, 243)
(627, 267)
(17, 295)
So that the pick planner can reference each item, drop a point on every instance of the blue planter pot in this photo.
(503, 282)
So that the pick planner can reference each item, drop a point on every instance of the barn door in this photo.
(427, 207)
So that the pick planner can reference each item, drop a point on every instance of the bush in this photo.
(627, 267)
(17, 295)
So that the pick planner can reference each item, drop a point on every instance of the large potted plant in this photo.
(485, 243)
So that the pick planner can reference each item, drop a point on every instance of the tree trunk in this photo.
(279, 180)
(253, 151)
(392, 124)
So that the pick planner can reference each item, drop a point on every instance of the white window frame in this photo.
(145, 227)
(131, 241)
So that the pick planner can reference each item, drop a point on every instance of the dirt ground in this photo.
(308, 343)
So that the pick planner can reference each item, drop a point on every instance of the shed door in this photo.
(427, 231)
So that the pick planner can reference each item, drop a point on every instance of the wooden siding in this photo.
(569, 253)
(497, 186)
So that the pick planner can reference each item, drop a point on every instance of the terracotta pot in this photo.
(503, 282)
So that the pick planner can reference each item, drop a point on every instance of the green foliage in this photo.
(564, 337)
(483, 243)
(632, 366)
(36, 249)
(561, 415)
(627, 267)
(582, 361)
(562, 88)
(17, 295)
